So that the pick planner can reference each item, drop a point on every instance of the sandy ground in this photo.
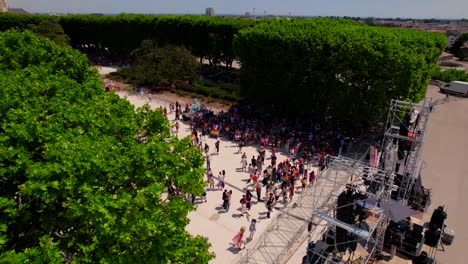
(444, 154)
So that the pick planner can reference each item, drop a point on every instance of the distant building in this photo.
(19, 11)
(5, 9)
(3, 6)
(451, 40)
(210, 11)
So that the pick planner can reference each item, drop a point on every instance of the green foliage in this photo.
(162, 65)
(82, 174)
(227, 93)
(52, 30)
(205, 37)
(450, 75)
(339, 67)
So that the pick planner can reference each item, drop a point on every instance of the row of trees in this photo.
(82, 174)
(347, 69)
(336, 67)
(205, 37)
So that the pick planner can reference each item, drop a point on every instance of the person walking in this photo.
(244, 163)
(228, 197)
(243, 203)
(291, 190)
(237, 239)
(210, 179)
(221, 181)
(225, 199)
(269, 205)
(248, 197)
(252, 229)
(217, 146)
(312, 178)
(258, 190)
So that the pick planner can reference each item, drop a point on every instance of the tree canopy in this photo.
(82, 174)
(52, 30)
(335, 67)
(162, 65)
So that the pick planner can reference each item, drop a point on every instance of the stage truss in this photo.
(288, 230)
(412, 118)
(370, 182)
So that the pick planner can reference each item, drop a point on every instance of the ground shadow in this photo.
(236, 215)
(234, 249)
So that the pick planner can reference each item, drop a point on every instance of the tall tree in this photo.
(82, 174)
(157, 65)
(52, 30)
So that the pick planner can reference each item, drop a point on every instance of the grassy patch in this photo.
(219, 92)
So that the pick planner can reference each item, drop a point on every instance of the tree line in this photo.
(341, 68)
(206, 37)
(335, 67)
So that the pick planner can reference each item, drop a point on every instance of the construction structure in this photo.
(347, 210)
(317, 210)
(288, 230)
(349, 220)
(405, 129)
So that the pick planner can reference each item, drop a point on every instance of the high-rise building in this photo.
(3, 6)
(209, 11)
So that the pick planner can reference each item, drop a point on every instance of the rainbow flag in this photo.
(215, 131)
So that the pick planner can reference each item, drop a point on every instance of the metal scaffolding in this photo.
(405, 128)
(288, 230)
(373, 187)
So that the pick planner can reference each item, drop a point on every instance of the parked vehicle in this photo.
(455, 87)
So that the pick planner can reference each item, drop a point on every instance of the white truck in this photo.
(455, 87)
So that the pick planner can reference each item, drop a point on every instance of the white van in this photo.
(455, 87)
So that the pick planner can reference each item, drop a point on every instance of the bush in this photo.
(450, 75)
(211, 90)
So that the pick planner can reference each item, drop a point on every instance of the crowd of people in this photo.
(305, 144)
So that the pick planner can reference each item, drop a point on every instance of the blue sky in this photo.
(362, 8)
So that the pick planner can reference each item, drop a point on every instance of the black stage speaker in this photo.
(341, 239)
(438, 217)
(433, 236)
